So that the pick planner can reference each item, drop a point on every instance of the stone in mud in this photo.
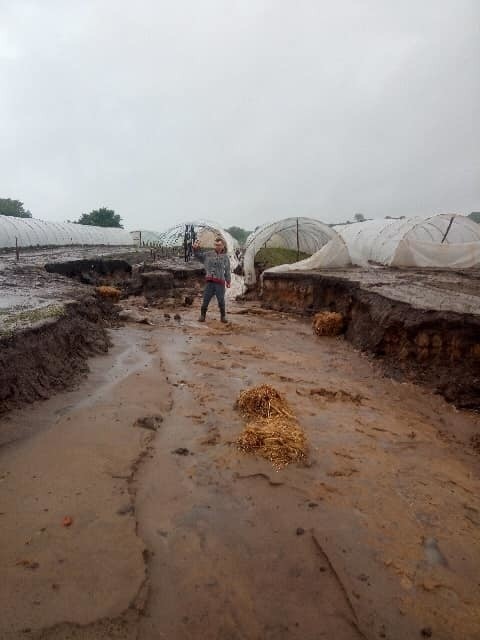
(181, 451)
(125, 510)
(87, 278)
(433, 554)
(149, 422)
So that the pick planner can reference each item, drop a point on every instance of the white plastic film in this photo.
(30, 232)
(332, 255)
(441, 241)
(305, 234)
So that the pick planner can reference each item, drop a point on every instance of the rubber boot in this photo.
(203, 313)
(223, 317)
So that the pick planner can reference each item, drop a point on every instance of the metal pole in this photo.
(17, 250)
(298, 245)
(448, 229)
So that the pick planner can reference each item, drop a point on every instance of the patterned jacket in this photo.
(217, 265)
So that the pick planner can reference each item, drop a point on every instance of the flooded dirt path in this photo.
(377, 537)
(73, 456)
(176, 534)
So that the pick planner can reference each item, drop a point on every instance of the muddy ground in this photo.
(38, 279)
(423, 289)
(174, 533)
(424, 325)
(54, 316)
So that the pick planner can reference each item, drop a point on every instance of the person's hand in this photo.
(196, 245)
(227, 285)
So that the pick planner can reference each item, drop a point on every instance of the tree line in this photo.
(102, 217)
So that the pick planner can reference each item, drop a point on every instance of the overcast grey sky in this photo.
(240, 111)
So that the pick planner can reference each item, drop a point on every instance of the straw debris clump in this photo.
(328, 323)
(272, 431)
(277, 439)
(111, 293)
(263, 401)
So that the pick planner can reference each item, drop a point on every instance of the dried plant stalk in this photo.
(277, 439)
(109, 292)
(328, 323)
(272, 431)
(262, 402)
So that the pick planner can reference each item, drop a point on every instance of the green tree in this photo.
(359, 217)
(475, 216)
(102, 217)
(9, 207)
(239, 234)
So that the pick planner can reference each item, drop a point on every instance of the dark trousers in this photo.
(217, 290)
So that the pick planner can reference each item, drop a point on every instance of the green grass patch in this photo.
(271, 257)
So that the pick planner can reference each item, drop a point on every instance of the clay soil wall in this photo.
(440, 349)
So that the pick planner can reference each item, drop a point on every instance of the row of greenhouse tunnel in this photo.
(449, 241)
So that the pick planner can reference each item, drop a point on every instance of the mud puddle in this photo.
(131, 354)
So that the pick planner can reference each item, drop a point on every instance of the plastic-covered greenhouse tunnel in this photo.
(305, 235)
(441, 241)
(205, 231)
(30, 232)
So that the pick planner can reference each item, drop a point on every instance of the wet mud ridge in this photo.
(423, 325)
(53, 316)
(159, 278)
(50, 352)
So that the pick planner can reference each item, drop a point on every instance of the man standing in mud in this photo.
(217, 268)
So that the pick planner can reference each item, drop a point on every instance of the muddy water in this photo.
(73, 456)
(377, 536)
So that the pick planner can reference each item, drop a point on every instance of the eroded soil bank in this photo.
(425, 326)
(50, 352)
(53, 318)
(378, 536)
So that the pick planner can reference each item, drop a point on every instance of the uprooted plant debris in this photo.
(263, 401)
(107, 292)
(328, 323)
(277, 439)
(272, 431)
